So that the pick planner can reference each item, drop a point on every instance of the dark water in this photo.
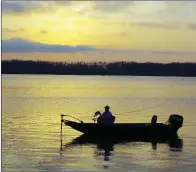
(31, 108)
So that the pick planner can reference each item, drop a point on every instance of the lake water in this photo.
(32, 105)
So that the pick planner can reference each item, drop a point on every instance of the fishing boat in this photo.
(128, 130)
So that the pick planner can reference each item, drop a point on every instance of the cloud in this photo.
(12, 7)
(44, 32)
(112, 6)
(24, 6)
(17, 45)
(162, 25)
(159, 25)
(192, 26)
(17, 7)
(63, 2)
(103, 9)
(20, 45)
(140, 11)
(182, 11)
(8, 30)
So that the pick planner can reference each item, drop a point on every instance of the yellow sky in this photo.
(150, 25)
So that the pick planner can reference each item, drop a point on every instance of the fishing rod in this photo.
(71, 117)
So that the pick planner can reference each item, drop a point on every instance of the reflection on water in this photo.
(104, 147)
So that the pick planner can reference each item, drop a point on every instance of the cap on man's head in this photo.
(107, 107)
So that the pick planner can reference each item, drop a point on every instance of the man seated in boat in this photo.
(106, 117)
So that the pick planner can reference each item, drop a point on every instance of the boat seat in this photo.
(154, 119)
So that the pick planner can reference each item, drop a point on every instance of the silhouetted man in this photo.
(106, 117)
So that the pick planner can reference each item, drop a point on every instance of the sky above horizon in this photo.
(158, 31)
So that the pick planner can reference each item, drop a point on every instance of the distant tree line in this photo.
(98, 68)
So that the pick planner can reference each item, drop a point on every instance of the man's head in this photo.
(107, 108)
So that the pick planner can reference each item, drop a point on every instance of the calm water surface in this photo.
(31, 108)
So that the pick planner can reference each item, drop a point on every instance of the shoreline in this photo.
(123, 68)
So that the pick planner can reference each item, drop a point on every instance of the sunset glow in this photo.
(129, 25)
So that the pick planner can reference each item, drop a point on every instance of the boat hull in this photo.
(124, 130)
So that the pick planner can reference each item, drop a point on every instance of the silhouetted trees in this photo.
(98, 68)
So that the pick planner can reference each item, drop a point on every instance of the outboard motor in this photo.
(176, 121)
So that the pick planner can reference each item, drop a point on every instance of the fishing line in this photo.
(132, 111)
(143, 109)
